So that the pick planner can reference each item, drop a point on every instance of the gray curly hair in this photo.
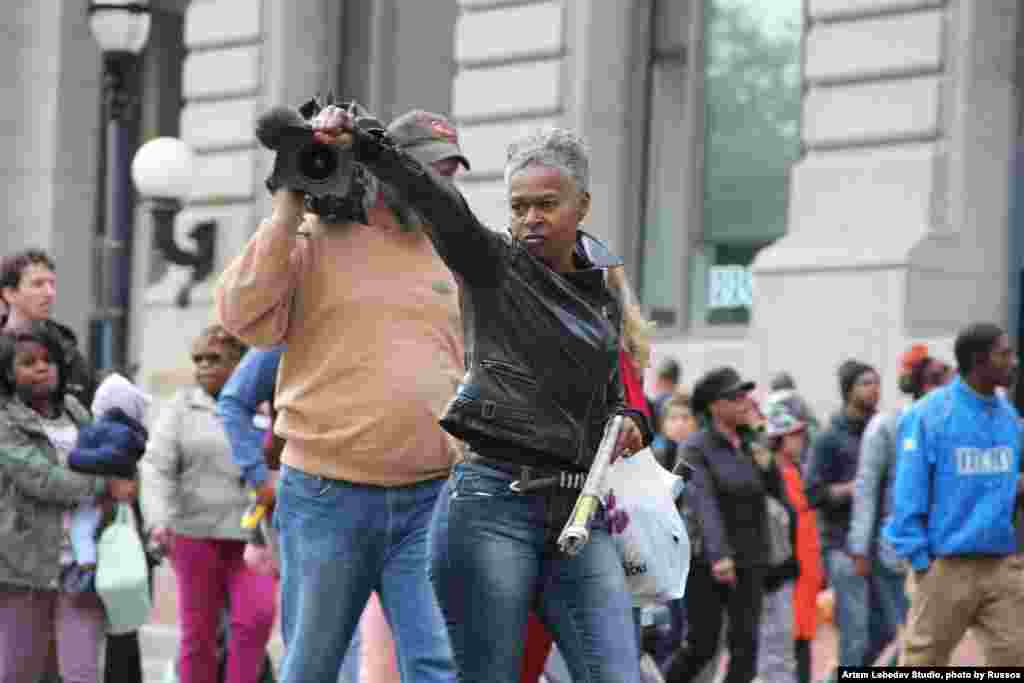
(556, 148)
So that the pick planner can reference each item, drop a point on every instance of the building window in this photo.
(663, 237)
(752, 101)
(696, 249)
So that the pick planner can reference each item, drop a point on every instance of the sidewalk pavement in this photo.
(160, 637)
(823, 653)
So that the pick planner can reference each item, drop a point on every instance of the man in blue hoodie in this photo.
(957, 482)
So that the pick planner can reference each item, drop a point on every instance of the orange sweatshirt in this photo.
(370, 319)
(808, 554)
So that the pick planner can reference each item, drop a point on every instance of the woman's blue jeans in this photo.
(490, 566)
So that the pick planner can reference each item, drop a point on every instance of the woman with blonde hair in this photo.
(542, 334)
(635, 346)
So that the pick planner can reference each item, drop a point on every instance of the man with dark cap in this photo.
(724, 508)
(364, 458)
(831, 473)
(431, 139)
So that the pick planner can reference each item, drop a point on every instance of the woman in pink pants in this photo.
(193, 502)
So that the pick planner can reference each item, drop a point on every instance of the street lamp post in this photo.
(121, 28)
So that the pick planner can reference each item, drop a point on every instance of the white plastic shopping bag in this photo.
(639, 497)
(122, 575)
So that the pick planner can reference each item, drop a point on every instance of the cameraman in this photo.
(371, 358)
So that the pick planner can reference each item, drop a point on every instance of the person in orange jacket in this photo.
(788, 441)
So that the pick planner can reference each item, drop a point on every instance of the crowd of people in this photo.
(392, 420)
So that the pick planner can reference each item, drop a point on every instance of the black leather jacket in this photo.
(541, 347)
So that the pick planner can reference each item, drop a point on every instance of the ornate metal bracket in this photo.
(200, 260)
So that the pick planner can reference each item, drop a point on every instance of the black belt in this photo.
(530, 478)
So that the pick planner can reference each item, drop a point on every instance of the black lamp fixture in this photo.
(121, 29)
(162, 171)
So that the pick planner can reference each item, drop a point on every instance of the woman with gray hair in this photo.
(542, 332)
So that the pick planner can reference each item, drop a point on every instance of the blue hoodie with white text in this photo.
(956, 477)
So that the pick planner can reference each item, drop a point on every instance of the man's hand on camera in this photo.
(288, 203)
(333, 126)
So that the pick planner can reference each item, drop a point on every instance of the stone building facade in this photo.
(790, 182)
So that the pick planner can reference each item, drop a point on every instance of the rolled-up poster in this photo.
(577, 532)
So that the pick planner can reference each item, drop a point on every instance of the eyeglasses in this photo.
(211, 358)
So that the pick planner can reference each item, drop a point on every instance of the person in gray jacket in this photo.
(873, 558)
(39, 423)
(193, 500)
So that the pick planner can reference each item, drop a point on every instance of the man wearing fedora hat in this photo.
(727, 499)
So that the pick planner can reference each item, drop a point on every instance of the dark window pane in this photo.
(752, 106)
(665, 210)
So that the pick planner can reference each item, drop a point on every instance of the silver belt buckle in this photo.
(525, 474)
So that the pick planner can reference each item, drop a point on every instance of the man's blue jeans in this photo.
(890, 581)
(339, 542)
(859, 613)
(490, 566)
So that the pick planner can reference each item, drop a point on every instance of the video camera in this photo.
(326, 174)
